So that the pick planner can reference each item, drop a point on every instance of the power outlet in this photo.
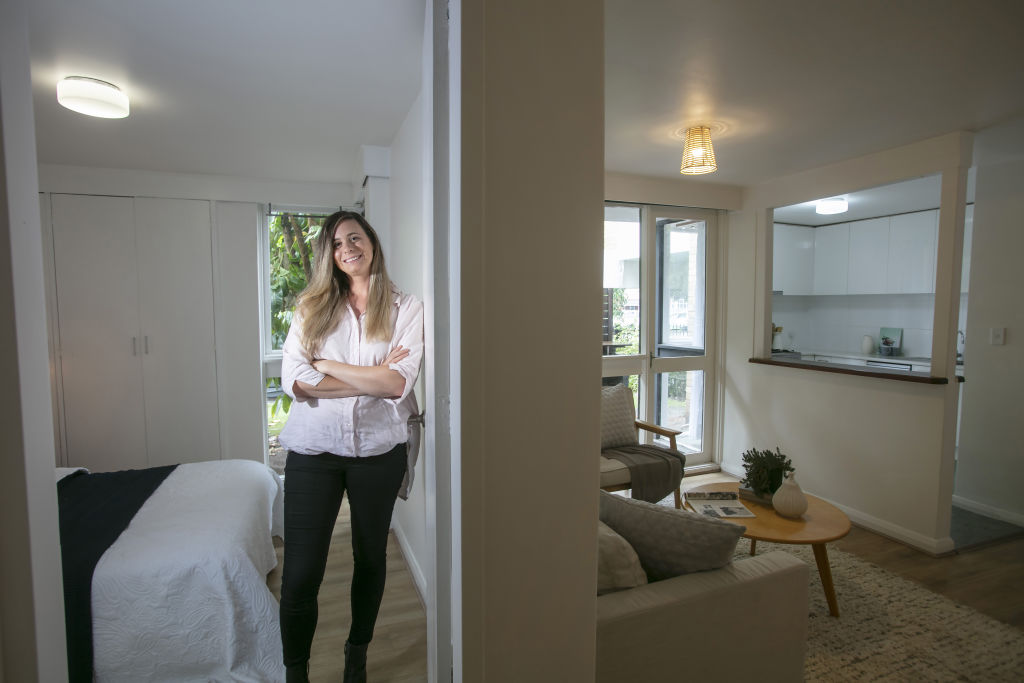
(997, 336)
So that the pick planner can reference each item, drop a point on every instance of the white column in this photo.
(31, 599)
(531, 176)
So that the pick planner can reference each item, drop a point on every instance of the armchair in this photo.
(648, 471)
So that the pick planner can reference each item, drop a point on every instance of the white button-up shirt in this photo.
(359, 425)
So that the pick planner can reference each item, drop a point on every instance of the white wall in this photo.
(236, 284)
(989, 467)
(880, 449)
(31, 595)
(411, 233)
(838, 323)
(681, 191)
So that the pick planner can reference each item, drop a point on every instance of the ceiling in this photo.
(291, 90)
(790, 85)
(272, 90)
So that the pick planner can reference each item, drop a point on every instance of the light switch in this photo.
(997, 336)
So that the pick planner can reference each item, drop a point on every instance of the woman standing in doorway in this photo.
(350, 361)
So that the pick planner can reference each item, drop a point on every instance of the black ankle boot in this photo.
(297, 673)
(355, 663)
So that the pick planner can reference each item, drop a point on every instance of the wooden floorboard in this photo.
(398, 653)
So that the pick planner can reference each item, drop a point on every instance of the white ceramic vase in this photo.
(789, 500)
(867, 344)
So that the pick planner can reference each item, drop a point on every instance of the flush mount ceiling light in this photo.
(92, 97)
(698, 154)
(831, 205)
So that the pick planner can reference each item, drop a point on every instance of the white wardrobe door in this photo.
(176, 292)
(98, 313)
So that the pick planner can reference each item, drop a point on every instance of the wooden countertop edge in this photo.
(898, 375)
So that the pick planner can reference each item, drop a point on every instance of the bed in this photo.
(181, 594)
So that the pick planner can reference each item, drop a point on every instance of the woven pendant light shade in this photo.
(698, 154)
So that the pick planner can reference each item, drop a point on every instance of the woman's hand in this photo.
(394, 355)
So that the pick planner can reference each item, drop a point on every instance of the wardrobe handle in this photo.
(134, 350)
(146, 344)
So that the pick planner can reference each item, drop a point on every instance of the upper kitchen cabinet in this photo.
(912, 245)
(869, 256)
(793, 259)
(831, 258)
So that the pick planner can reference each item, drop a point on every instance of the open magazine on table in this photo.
(721, 504)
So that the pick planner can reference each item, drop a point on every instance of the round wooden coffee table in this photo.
(823, 522)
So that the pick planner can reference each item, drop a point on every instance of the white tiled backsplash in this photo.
(838, 323)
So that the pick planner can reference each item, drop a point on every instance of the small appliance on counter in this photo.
(890, 341)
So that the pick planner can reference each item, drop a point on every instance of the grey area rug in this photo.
(891, 629)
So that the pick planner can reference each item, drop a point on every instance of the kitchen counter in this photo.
(868, 356)
(913, 368)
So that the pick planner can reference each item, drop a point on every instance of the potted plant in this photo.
(765, 470)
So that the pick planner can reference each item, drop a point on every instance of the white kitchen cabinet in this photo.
(869, 256)
(793, 259)
(912, 244)
(831, 258)
(134, 292)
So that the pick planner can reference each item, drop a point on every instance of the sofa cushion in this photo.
(618, 567)
(613, 472)
(670, 542)
(618, 418)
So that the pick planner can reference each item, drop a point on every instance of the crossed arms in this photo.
(343, 380)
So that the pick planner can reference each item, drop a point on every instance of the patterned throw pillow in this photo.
(670, 542)
(618, 419)
(618, 567)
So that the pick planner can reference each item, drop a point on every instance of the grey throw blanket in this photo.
(654, 472)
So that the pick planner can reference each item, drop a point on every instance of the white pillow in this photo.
(670, 542)
(618, 566)
(618, 419)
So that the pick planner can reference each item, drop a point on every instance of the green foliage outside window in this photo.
(292, 237)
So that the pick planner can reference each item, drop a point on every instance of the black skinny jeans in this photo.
(313, 489)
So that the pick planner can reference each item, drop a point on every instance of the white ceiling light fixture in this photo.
(698, 154)
(92, 97)
(827, 207)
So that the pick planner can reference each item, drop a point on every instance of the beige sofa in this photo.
(744, 622)
(674, 605)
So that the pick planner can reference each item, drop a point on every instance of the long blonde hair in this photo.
(321, 303)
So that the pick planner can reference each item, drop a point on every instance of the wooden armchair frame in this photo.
(661, 431)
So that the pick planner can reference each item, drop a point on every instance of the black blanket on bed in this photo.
(94, 510)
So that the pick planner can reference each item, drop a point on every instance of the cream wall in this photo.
(31, 602)
(990, 468)
(681, 191)
(531, 184)
(882, 450)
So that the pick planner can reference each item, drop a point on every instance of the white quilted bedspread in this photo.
(182, 594)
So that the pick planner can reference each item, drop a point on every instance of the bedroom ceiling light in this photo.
(92, 97)
(827, 207)
(698, 154)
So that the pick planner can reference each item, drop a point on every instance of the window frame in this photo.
(645, 364)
